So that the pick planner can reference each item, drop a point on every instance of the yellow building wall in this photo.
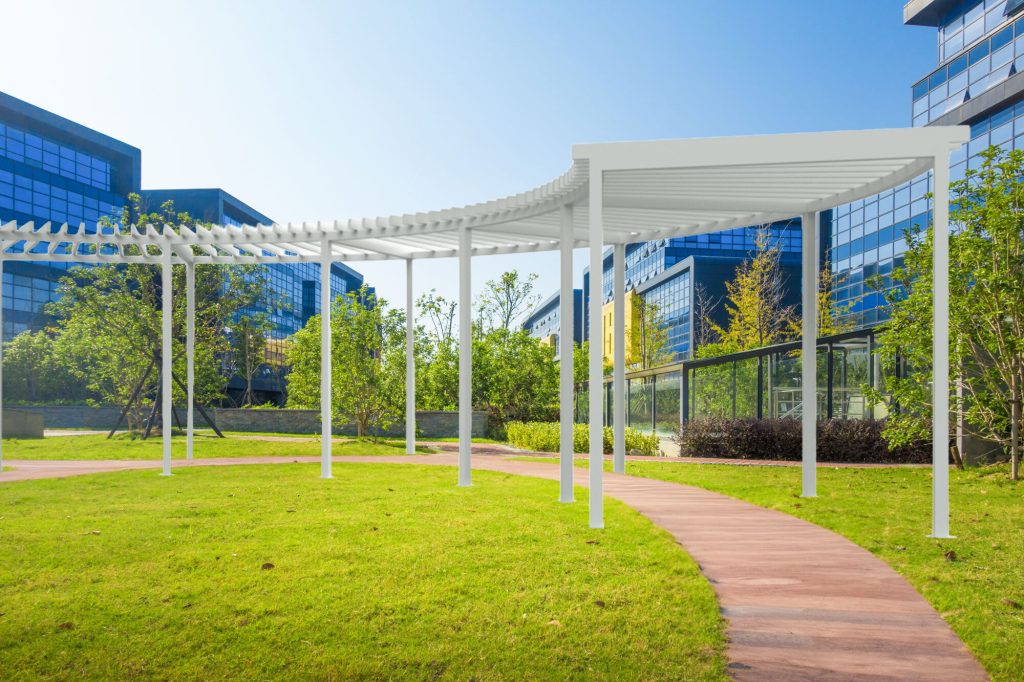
(608, 315)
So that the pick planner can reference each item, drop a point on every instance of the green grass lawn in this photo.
(386, 571)
(978, 589)
(125, 446)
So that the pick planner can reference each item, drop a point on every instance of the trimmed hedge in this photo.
(544, 437)
(839, 440)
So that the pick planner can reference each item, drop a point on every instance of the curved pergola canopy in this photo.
(651, 190)
(613, 194)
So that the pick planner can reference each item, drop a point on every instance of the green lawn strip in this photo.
(268, 572)
(978, 589)
(125, 446)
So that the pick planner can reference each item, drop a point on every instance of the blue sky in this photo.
(324, 110)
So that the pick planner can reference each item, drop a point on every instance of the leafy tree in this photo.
(581, 364)
(437, 367)
(440, 313)
(986, 305)
(514, 377)
(648, 343)
(757, 316)
(248, 337)
(109, 319)
(833, 317)
(367, 362)
(34, 372)
(505, 299)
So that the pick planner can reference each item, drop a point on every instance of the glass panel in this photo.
(849, 377)
(641, 405)
(746, 388)
(667, 392)
(711, 388)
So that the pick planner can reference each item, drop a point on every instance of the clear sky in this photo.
(325, 110)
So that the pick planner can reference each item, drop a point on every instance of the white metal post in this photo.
(940, 349)
(809, 357)
(410, 364)
(190, 355)
(465, 357)
(165, 372)
(566, 330)
(325, 360)
(619, 360)
(595, 201)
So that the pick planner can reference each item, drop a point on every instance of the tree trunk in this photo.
(1015, 432)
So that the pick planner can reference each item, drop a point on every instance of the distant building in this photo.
(544, 321)
(54, 170)
(669, 273)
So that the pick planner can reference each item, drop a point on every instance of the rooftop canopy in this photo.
(652, 190)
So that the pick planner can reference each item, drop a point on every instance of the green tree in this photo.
(648, 343)
(34, 372)
(754, 304)
(437, 366)
(833, 317)
(248, 337)
(986, 306)
(367, 362)
(514, 377)
(503, 300)
(109, 326)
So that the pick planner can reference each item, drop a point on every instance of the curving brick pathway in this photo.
(802, 603)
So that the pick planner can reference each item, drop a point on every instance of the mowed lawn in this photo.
(385, 571)
(975, 581)
(127, 446)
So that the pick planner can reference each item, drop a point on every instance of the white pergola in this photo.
(613, 194)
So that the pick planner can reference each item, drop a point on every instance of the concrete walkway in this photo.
(802, 603)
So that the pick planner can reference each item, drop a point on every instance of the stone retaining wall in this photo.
(429, 424)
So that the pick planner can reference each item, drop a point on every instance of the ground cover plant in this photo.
(130, 446)
(268, 572)
(975, 581)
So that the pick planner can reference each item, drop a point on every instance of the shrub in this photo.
(544, 437)
(839, 440)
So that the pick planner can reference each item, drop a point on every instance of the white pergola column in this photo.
(410, 364)
(190, 355)
(809, 356)
(596, 392)
(166, 393)
(465, 357)
(326, 414)
(619, 360)
(940, 349)
(566, 330)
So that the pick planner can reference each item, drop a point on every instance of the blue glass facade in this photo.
(668, 272)
(54, 170)
(980, 48)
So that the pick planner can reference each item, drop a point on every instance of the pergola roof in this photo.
(652, 190)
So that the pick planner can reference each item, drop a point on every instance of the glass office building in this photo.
(670, 272)
(54, 170)
(977, 83)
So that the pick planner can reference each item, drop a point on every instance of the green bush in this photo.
(544, 437)
(839, 440)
